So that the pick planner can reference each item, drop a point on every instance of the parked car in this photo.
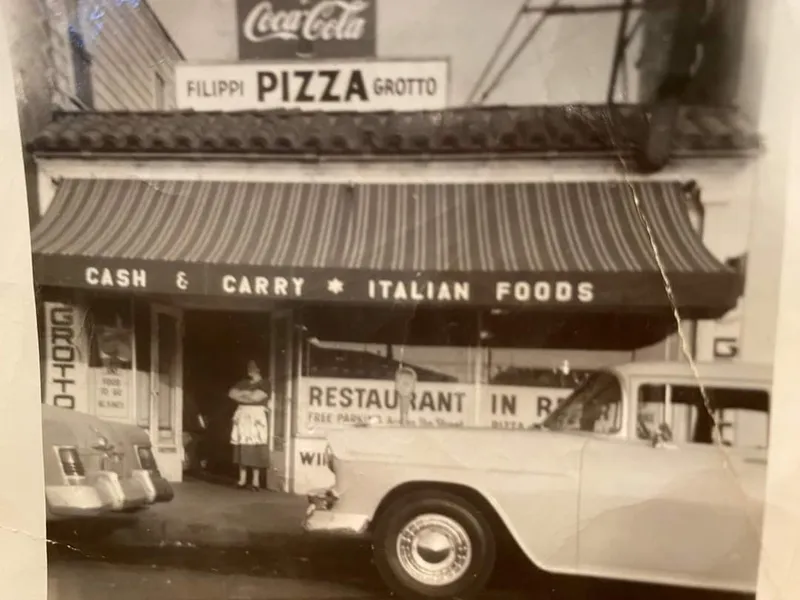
(637, 476)
(94, 467)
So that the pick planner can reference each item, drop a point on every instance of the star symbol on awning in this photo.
(335, 286)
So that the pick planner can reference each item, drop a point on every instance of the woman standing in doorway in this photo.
(250, 431)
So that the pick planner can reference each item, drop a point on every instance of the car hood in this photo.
(65, 427)
(473, 448)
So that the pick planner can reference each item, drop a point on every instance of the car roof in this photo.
(734, 371)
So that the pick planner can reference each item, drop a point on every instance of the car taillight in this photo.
(71, 462)
(146, 459)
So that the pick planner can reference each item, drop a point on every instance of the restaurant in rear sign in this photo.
(334, 403)
(365, 85)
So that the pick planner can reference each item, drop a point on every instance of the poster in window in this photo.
(114, 351)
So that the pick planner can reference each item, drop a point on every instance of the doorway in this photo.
(217, 346)
(166, 389)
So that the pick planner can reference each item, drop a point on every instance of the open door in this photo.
(282, 367)
(166, 390)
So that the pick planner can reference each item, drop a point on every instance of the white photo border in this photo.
(22, 528)
(22, 515)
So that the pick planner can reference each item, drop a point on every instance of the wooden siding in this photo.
(128, 47)
(127, 44)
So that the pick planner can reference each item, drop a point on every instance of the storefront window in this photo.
(381, 361)
(111, 358)
(469, 372)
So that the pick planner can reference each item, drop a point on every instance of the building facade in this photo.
(495, 250)
(213, 238)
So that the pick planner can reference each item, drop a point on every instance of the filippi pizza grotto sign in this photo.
(347, 85)
(280, 29)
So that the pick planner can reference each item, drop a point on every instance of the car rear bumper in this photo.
(105, 492)
(158, 489)
(74, 501)
(122, 494)
(164, 491)
(322, 518)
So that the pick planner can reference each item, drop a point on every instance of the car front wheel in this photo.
(434, 545)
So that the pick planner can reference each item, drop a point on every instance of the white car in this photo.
(95, 468)
(646, 473)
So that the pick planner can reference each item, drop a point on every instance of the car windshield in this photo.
(596, 406)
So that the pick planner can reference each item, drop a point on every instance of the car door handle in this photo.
(756, 461)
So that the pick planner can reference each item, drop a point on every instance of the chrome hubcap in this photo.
(434, 549)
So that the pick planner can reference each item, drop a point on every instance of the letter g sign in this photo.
(182, 281)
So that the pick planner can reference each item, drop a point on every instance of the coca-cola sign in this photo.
(281, 29)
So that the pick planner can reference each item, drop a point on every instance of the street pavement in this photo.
(200, 575)
(214, 542)
(103, 581)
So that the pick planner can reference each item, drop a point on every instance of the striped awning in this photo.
(610, 246)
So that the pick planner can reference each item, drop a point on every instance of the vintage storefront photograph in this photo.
(440, 299)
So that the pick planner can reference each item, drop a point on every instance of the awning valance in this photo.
(605, 246)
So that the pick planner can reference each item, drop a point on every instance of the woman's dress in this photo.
(250, 431)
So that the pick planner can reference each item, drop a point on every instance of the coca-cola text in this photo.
(324, 20)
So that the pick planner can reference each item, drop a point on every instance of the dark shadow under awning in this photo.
(459, 327)
(598, 246)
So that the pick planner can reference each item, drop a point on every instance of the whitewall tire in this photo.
(434, 545)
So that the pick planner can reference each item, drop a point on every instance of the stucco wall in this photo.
(568, 60)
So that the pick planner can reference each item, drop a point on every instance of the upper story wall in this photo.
(568, 60)
(126, 50)
(130, 53)
(729, 64)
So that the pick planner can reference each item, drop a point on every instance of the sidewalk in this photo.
(207, 514)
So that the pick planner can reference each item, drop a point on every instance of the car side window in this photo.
(595, 407)
(650, 410)
(731, 416)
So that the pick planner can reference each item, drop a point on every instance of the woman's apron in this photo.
(250, 425)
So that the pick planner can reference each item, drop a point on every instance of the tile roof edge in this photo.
(60, 115)
(123, 155)
(289, 111)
